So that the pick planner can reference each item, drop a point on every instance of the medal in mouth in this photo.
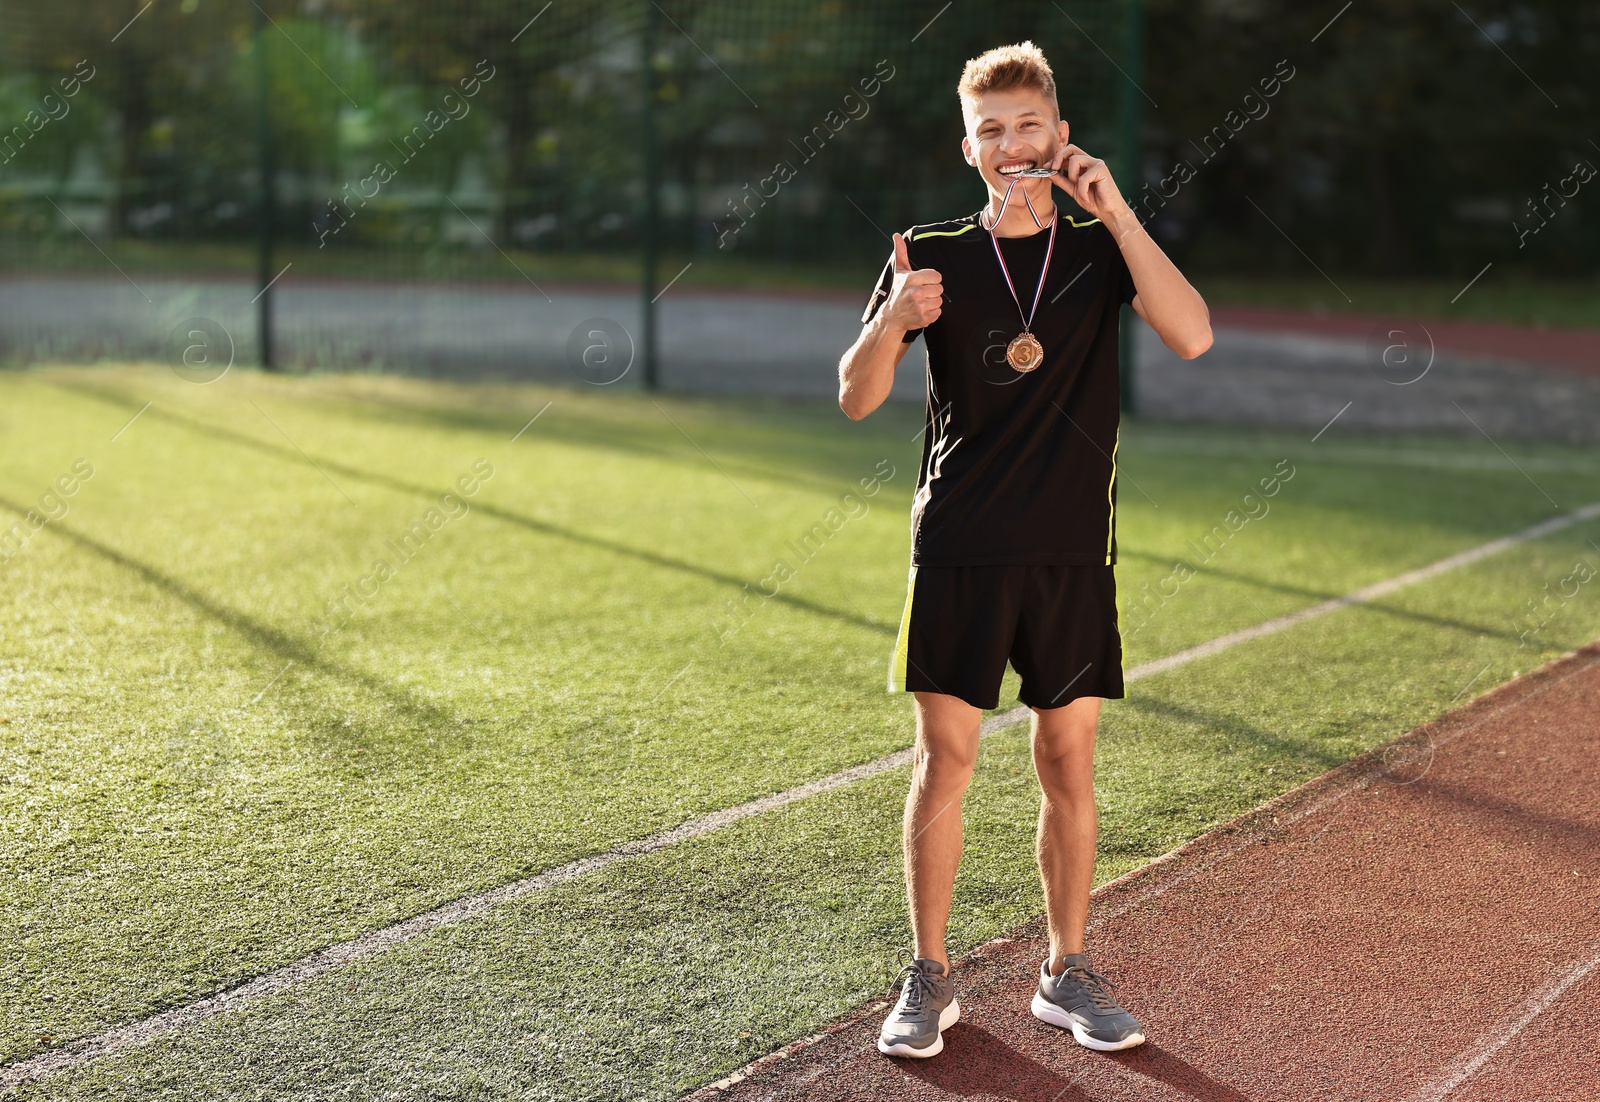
(1038, 171)
(1015, 174)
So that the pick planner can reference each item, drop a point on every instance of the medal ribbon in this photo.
(1027, 321)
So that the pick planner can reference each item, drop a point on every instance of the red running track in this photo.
(1422, 923)
(1576, 350)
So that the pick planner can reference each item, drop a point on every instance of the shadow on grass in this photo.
(585, 431)
(544, 528)
(1284, 748)
(1320, 595)
(428, 716)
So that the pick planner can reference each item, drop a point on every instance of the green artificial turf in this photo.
(199, 785)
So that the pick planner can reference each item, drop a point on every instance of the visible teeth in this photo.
(1012, 170)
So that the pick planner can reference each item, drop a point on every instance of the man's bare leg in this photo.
(942, 762)
(1063, 757)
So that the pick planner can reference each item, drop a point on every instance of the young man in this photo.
(1013, 524)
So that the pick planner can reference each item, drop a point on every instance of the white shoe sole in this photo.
(1051, 1014)
(947, 1018)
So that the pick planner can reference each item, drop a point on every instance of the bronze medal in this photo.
(1024, 353)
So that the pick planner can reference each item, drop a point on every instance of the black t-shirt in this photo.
(1018, 468)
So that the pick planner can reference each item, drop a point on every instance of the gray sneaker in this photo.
(927, 1005)
(1077, 999)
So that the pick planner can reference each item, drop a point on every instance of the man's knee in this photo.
(946, 761)
(947, 739)
(1065, 786)
(1065, 767)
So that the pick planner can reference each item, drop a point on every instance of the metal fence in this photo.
(412, 186)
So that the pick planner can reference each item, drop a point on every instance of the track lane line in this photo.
(1470, 1062)
(141, 1031)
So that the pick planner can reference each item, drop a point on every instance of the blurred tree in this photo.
(1407, 142)
(525, 47)
(1411, 139)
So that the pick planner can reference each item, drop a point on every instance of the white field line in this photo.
(376, 941)
(314, 964)
(1360, 596)
(1469, 1063)
(1369, 593)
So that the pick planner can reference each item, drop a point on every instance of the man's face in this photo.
(1008, 130)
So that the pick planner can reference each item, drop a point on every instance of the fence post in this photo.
(266, 200)
(651, 214)
(1131, 107)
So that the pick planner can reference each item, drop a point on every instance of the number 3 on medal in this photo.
(1024, 352)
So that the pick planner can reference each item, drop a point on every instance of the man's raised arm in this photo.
(866, 371)
(1167, 302)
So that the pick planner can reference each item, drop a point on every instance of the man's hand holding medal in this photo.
(1088, 181)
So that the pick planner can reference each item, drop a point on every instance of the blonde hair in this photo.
(1004, 69)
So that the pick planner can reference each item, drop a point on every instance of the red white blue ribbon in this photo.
(1027, 322)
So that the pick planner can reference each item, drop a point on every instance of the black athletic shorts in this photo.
(1056, 624)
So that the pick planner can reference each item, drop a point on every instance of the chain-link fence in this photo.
(421, 184)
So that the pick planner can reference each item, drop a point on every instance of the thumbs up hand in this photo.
(917, 297)
(902, 258)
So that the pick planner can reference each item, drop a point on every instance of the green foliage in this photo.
(1411, 140)
(551, 153)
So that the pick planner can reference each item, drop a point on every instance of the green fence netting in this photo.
(420, 182)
